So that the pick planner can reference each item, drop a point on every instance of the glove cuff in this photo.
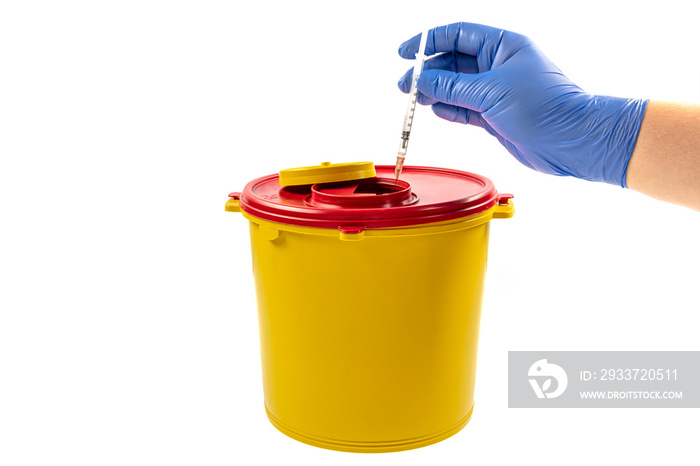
(622, 138)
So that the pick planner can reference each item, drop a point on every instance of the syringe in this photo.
(408, 119)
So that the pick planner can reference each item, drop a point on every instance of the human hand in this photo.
(502, 82)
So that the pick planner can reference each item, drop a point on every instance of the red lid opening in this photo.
(367, 193)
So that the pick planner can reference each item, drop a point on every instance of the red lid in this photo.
(422, 195)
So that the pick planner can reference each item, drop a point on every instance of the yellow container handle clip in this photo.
(233, 203)
(504, 207)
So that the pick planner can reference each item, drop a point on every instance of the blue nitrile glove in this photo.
(501, 81)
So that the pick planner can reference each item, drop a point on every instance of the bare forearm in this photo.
(665, 163)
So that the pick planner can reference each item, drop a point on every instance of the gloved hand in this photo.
(501, 81)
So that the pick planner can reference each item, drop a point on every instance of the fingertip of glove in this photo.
(404, 82)
(409, 48)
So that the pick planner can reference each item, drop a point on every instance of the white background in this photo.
(128, 328)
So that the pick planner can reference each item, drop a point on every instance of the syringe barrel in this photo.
(411, 109)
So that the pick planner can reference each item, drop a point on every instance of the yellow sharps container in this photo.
(369, 299)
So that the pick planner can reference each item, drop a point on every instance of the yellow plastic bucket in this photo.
(369, 335)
